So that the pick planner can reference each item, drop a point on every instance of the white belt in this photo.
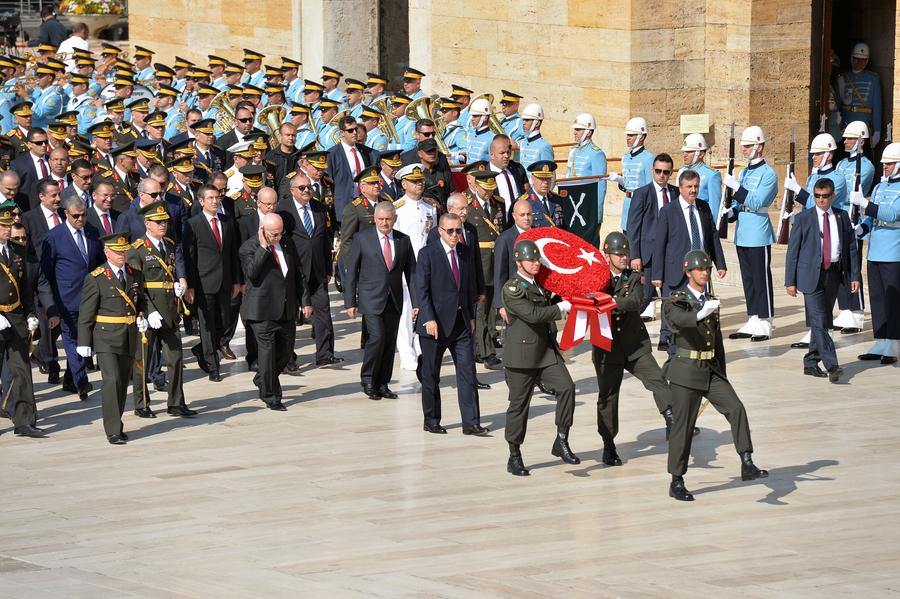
(889, 225)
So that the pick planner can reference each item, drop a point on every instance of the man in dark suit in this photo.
(345, 161)
(132, 220)
(11, 190)
(32, 166)
(70, 251)
(446, 294)
(438, 167)
(504, 263)
(390, 163)
(821, 255)
(682, 226)
(646, 202)
(213, 275)
(512, 180)
(380, 258)
(243, 125)
(274, 291)
(81, 172)
(100, 215)
(306, 223)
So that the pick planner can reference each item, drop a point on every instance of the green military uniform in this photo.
(160, 272)
(106, 323)
(244, 203)
(359, 215)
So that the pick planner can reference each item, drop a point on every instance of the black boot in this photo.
(515, 466)
(749, 471)
(562, 450)
(669, 420)
(678, 491)
(610, 457)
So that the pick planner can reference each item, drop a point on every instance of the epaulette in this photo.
(169, 239)
(106, 174)
(433, 202)
(291, 175)
(136, 244)
(230, 172)
(97, 271)
(514, 288)
(595, 146)
(236, 195)
(357, 202)
(524, 196)
(203, 166)
(399, 203)
(327, 179)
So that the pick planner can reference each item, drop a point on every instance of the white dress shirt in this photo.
(282, 261)
(48, 216)
(348, 152)
(390, 238)
(835, 236)
(686, 213)
(506, 186)
(659, 196)
(37, 164)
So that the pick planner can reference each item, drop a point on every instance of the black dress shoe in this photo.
(144, 413)
(662, 346)
(740, 335)
(749, 471)
(610, 457)
(888, 360)
(201, 360)
(850, 330)
(329, 361)
(276, 406)
(480, 385)
(53, 378)
(869, 357)
(648, 318)
(834, 375)
(678, 491)
(515, 466)
(71, 388)
(29, 431)
(291, 367)
(116, 440)
(182, 411)
(544, 388)
(42, 367)
(758, 338)
(163, 386)
(479, 360)
(476, 430)
(227, 353)
(493, 363)
(253, 366)
(385, 391)
(123, 435)
(437, 429)
(89, 364)
(84, 390)
(800, 345)
(371, 392)
(814, 371)
(215, 377)
(562, 450)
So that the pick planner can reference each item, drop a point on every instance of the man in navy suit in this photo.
(346, 160)
(70, 251)
(684, 225)
(32, 166)
(821, 255)
(646, 202)
(380, 258)
(446, 294)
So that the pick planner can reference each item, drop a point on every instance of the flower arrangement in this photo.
(92, 7)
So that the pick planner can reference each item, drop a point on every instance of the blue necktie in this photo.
(307, 221)
(87, 199)
(81, 246)
(695, 230)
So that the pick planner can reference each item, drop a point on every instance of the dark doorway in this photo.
(836, 27)
(393, 40)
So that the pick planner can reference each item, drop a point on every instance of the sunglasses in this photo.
(426, 133)
(822, 195)
(349, 130)
(303, 187)
(452, 231)
(19, 239)
(78, 216)
(154, 194)
(660, 171)
(249, 119)
(38, 142)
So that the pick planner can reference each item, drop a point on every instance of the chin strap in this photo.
(753, 154)
(533, 127)
(895, 171)
(584, 136)
(638, 142)
(696, 159)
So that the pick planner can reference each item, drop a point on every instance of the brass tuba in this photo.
(493, 122)
(423, 108)
(271, 118)
(335, 120)
(224, 114)
(385, 123)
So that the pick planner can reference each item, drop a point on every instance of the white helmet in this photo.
(695, 142)
(823, 142)
(636, 126)
(584, 121)
(753, 135)
(857, 129)
(533, 111)
(860, 50)
(480, 107)
(891, 153)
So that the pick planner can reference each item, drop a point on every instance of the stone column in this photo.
(340, 33)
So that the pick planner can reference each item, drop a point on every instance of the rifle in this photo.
(727, 194)
(787, 201)
(857, 181)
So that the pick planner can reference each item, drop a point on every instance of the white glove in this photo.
(155, 320)
(458, 157)
(84, 351)
(142, 324)
(708, 308)
(731, 182)
(4, 324)
(178, 288)
(32, 324)
(790, 183)
(876, 137)
(564, 306)
(858, 229)
(616, 178)
(729, 214)
(858, 199)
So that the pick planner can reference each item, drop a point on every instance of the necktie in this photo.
(5, 254)
(106, 225)
(512, 190)
(162, 250)
(317, 190)
(547, 206)
(122, 278)
(388, 257)
(695, 230)
(55, 219)
(307, 221)
(358, 166)
(702, 298)
(275, 255)
(87, 200)
(215, 230)
(44, 171)
(462, 235)
(665, 194)
(826, 242)
(81, 245)
(454, 267)
(61, 183)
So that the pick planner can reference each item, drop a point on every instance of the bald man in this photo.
(274, 290)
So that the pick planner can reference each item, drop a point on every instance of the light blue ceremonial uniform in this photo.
(465, 120)
(378, 98)
(294, 92)
(534, 148)
(883, 222)
(405, 128)
(637, 168)
(841, 197)
(587, 160)
(377, 139)
(710, 185)
(456, 138)
(305, 136)
(146, 76)
(512, 124)
(209, 113)
(356, 110)
(334, 94)
(417, 95)
(859, 96)
(47, 105)
(258, 79)
(173, 121)
(179, 84)
(479, 145)
(759, 186)
(328, 136)
(7, 121)
(847, 169)
(220, 84)
(86, 112)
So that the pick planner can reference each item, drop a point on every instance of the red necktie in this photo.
(106, 227)
(454, 267)
(60, 181)
(665, 193)
(358, 166)
(275, 255)
(462, 235)
(44, 171)
(826, 242)
(215, 230)
(55, 219)
(388, 257)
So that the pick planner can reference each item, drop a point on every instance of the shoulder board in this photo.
(97, 271)
(169, 239)
(136, 244)
(400, 203)
(514, 288)
(524, 196)
(471, 200)
(236, 195)
(433, 202)
(327, 179)
(595, 146)
(203, 166)
(106, 174)
(359, 201)
(291, 175)
(230, 172)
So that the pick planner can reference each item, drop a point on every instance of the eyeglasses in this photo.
(426, 133)
(22, 239)
(302, 187)
(353, 130)
(153, 194)
(88, 176)
(452, 231)
(38, 142)
(249, 119)
(78, 216)
(822, 195)
(660, 171)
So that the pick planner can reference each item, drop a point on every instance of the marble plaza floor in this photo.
(345, 497)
